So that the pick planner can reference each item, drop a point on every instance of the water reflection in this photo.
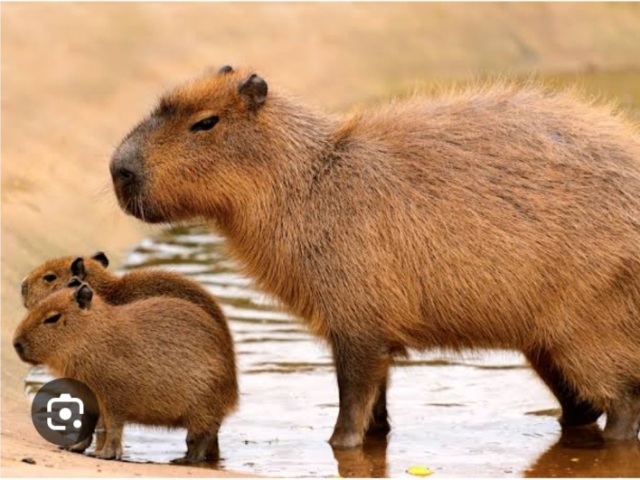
(368, 461)
(582, 452)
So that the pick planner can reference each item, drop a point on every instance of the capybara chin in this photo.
(494, 217)
(157, 361)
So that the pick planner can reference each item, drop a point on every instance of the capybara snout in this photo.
(127, 173)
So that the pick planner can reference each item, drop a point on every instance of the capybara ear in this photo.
(254, 89)
(83, 296)
(225, 69)
(74, 282)
(77, 268)
(102, 258)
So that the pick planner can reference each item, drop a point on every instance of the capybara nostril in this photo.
(124, 175)
(19, 346)
(126, 165)
(124, 170)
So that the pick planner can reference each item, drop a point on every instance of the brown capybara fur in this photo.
(138, 284)
(159, 361)
(498, 216)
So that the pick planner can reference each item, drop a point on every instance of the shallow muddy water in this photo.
(480, 415)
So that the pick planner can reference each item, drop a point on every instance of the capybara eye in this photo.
(53, 318)
(50, 277)
(206, 124)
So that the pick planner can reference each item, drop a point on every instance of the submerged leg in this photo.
(379, 423)
(360, 369)
(623, 417)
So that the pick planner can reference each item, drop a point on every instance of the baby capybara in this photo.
(137, 284)
(157, 361)
(493, 217)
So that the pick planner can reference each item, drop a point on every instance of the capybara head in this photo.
(210, 139)
(54, 275)
(52, 323)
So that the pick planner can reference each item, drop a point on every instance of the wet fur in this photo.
(494, 217)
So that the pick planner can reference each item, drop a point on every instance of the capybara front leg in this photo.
(360, 370)
(101, 434)
(575, 412)
(379, 424)
(623, 418)
(80, 446)
(112, 448)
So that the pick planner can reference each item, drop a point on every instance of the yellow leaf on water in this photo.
(419, 471)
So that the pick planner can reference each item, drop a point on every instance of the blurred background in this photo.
(77, 77)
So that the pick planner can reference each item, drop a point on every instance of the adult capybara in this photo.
(495, 217)
(158, 361)
(138, 284)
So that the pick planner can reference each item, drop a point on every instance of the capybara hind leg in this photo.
(360, 369)
(201, 447)
(575, 412)
(379, 424)
(112, 448)
(623, 418)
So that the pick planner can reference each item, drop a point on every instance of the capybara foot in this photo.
(620, 435)
(80, 447)
(623, 419)
(109, 452)
(617, 431)
(201, 447)
(186, 460)
(579, 415)
(345, 439)
(378, 428)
